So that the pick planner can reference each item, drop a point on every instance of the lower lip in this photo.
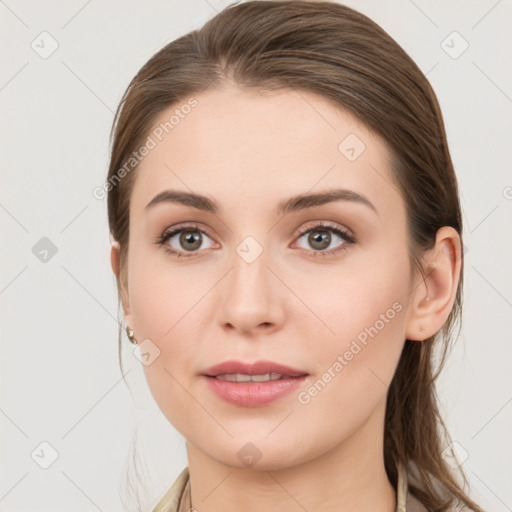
(253, 394)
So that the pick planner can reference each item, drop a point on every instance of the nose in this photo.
(250, 297)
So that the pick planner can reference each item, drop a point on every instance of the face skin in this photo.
(248, 151)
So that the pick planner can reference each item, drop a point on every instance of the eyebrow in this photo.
(292, 204)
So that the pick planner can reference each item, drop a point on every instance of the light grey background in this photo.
(60, 380)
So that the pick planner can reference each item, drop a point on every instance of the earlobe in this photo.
(434, 297)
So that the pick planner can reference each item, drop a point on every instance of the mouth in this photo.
(252, 385)
(268, 370)
(241, 377)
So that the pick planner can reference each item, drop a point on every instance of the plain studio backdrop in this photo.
(67, 418)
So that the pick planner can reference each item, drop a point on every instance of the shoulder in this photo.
(171, 500)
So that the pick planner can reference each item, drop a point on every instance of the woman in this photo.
(287, 247)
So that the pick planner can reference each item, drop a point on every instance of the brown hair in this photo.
(346, 58)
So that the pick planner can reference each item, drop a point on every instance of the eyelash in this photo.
(320, 226)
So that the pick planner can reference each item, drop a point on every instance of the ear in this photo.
(122, 291)
(432, 300)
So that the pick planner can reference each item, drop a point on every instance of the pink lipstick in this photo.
(252, 384)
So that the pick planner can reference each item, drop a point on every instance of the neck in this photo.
(350, 477)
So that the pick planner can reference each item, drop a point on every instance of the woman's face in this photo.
(319, 285)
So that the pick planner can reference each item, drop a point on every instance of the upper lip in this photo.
(256, 368)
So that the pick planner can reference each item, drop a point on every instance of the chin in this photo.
(253, 453)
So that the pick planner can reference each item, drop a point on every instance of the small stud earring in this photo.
(129, 333)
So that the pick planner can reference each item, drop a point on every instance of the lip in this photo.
(256, 368)
(253, 394)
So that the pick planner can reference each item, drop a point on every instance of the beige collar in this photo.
(177, 498)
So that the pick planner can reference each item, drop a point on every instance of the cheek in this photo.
(160, 297)
(353, 297)
(165, 311)
(354, 366)
(168, 307)
(362, 313)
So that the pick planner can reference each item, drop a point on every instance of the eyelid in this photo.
(184, 226)
(326, 224)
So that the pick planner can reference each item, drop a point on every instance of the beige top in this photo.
(177, 498)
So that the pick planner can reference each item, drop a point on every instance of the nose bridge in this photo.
(249, 296)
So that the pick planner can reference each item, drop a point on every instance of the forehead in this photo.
(242, 146)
